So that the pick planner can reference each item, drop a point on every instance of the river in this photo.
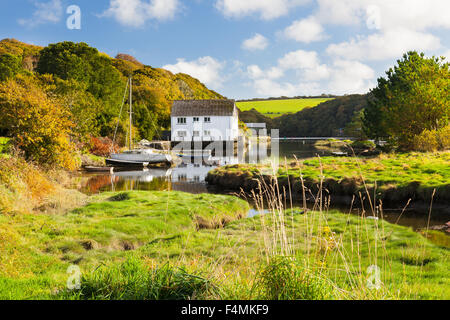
(190, 177)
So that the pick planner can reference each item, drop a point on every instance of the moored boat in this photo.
(137, 158)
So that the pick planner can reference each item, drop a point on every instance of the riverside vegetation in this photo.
(174, 245)
(392, 178)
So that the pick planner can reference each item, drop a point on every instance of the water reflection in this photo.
(190, 176)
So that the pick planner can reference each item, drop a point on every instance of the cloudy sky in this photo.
(247, 48)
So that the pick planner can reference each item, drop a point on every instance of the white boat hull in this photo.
(139, 158)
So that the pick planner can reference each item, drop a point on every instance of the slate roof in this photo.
(194, 108)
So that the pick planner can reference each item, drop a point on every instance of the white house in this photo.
(204, 120)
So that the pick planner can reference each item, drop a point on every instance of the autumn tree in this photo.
(10, 65)
(413, 98)
(39, 127)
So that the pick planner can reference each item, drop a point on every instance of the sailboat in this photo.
(137, 157)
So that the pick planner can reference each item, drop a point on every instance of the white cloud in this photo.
(47, 12)
(268, 87)
(305, 30)
(299, 59)
(135, 13)
(349, 77)
(206, 69)
(386, 14)
(258, 42)
(311, 76)
(307, 63)
(275, 73)
(267, 9)
(255, 72)
(385, 45)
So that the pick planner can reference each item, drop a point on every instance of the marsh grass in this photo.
(134, 280)
(284, 279)
(149, 245)
(355, 256)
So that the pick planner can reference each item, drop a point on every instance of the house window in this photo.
(181, 120)
(196, 119)
(207, 133)
(182, 133)
(207, 119)
(196, 134)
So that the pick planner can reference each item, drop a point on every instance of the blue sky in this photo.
(247, 48)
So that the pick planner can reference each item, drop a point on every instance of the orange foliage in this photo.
(103, 147)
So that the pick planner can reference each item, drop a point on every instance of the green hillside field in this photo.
(276, 108)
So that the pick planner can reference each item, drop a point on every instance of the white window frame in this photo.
(181, 121)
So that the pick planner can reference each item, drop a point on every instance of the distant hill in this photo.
(325, 120)
(276, 107)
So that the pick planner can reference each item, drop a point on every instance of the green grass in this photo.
(276, 108)
(398, 176)
(35, 250)
(134, 280)
(147, 245)
(3, 144)
(331, 264)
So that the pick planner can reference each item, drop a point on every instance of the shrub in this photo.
(284, 279)
(39, 126)
(364, 144)
(433, 140)
(103, 147)
(133, 280)
(22, 186)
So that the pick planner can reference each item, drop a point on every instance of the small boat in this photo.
(137, 158)
(195, 154)
(339, 154)
(98, 169)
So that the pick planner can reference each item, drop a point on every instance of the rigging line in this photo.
(120, 115)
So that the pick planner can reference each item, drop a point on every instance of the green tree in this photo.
(10, 65)
(79, 62)
(355, 127)
(414, 97)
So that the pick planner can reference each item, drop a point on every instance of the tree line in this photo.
(409, 109)
(54, 100)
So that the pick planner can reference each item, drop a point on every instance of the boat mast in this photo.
(131, 115)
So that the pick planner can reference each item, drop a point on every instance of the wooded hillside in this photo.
(88, 88)
(325, 120)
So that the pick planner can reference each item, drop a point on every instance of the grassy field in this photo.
(36, 249)
(276, 108)
(398, 177)
(174, 245)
